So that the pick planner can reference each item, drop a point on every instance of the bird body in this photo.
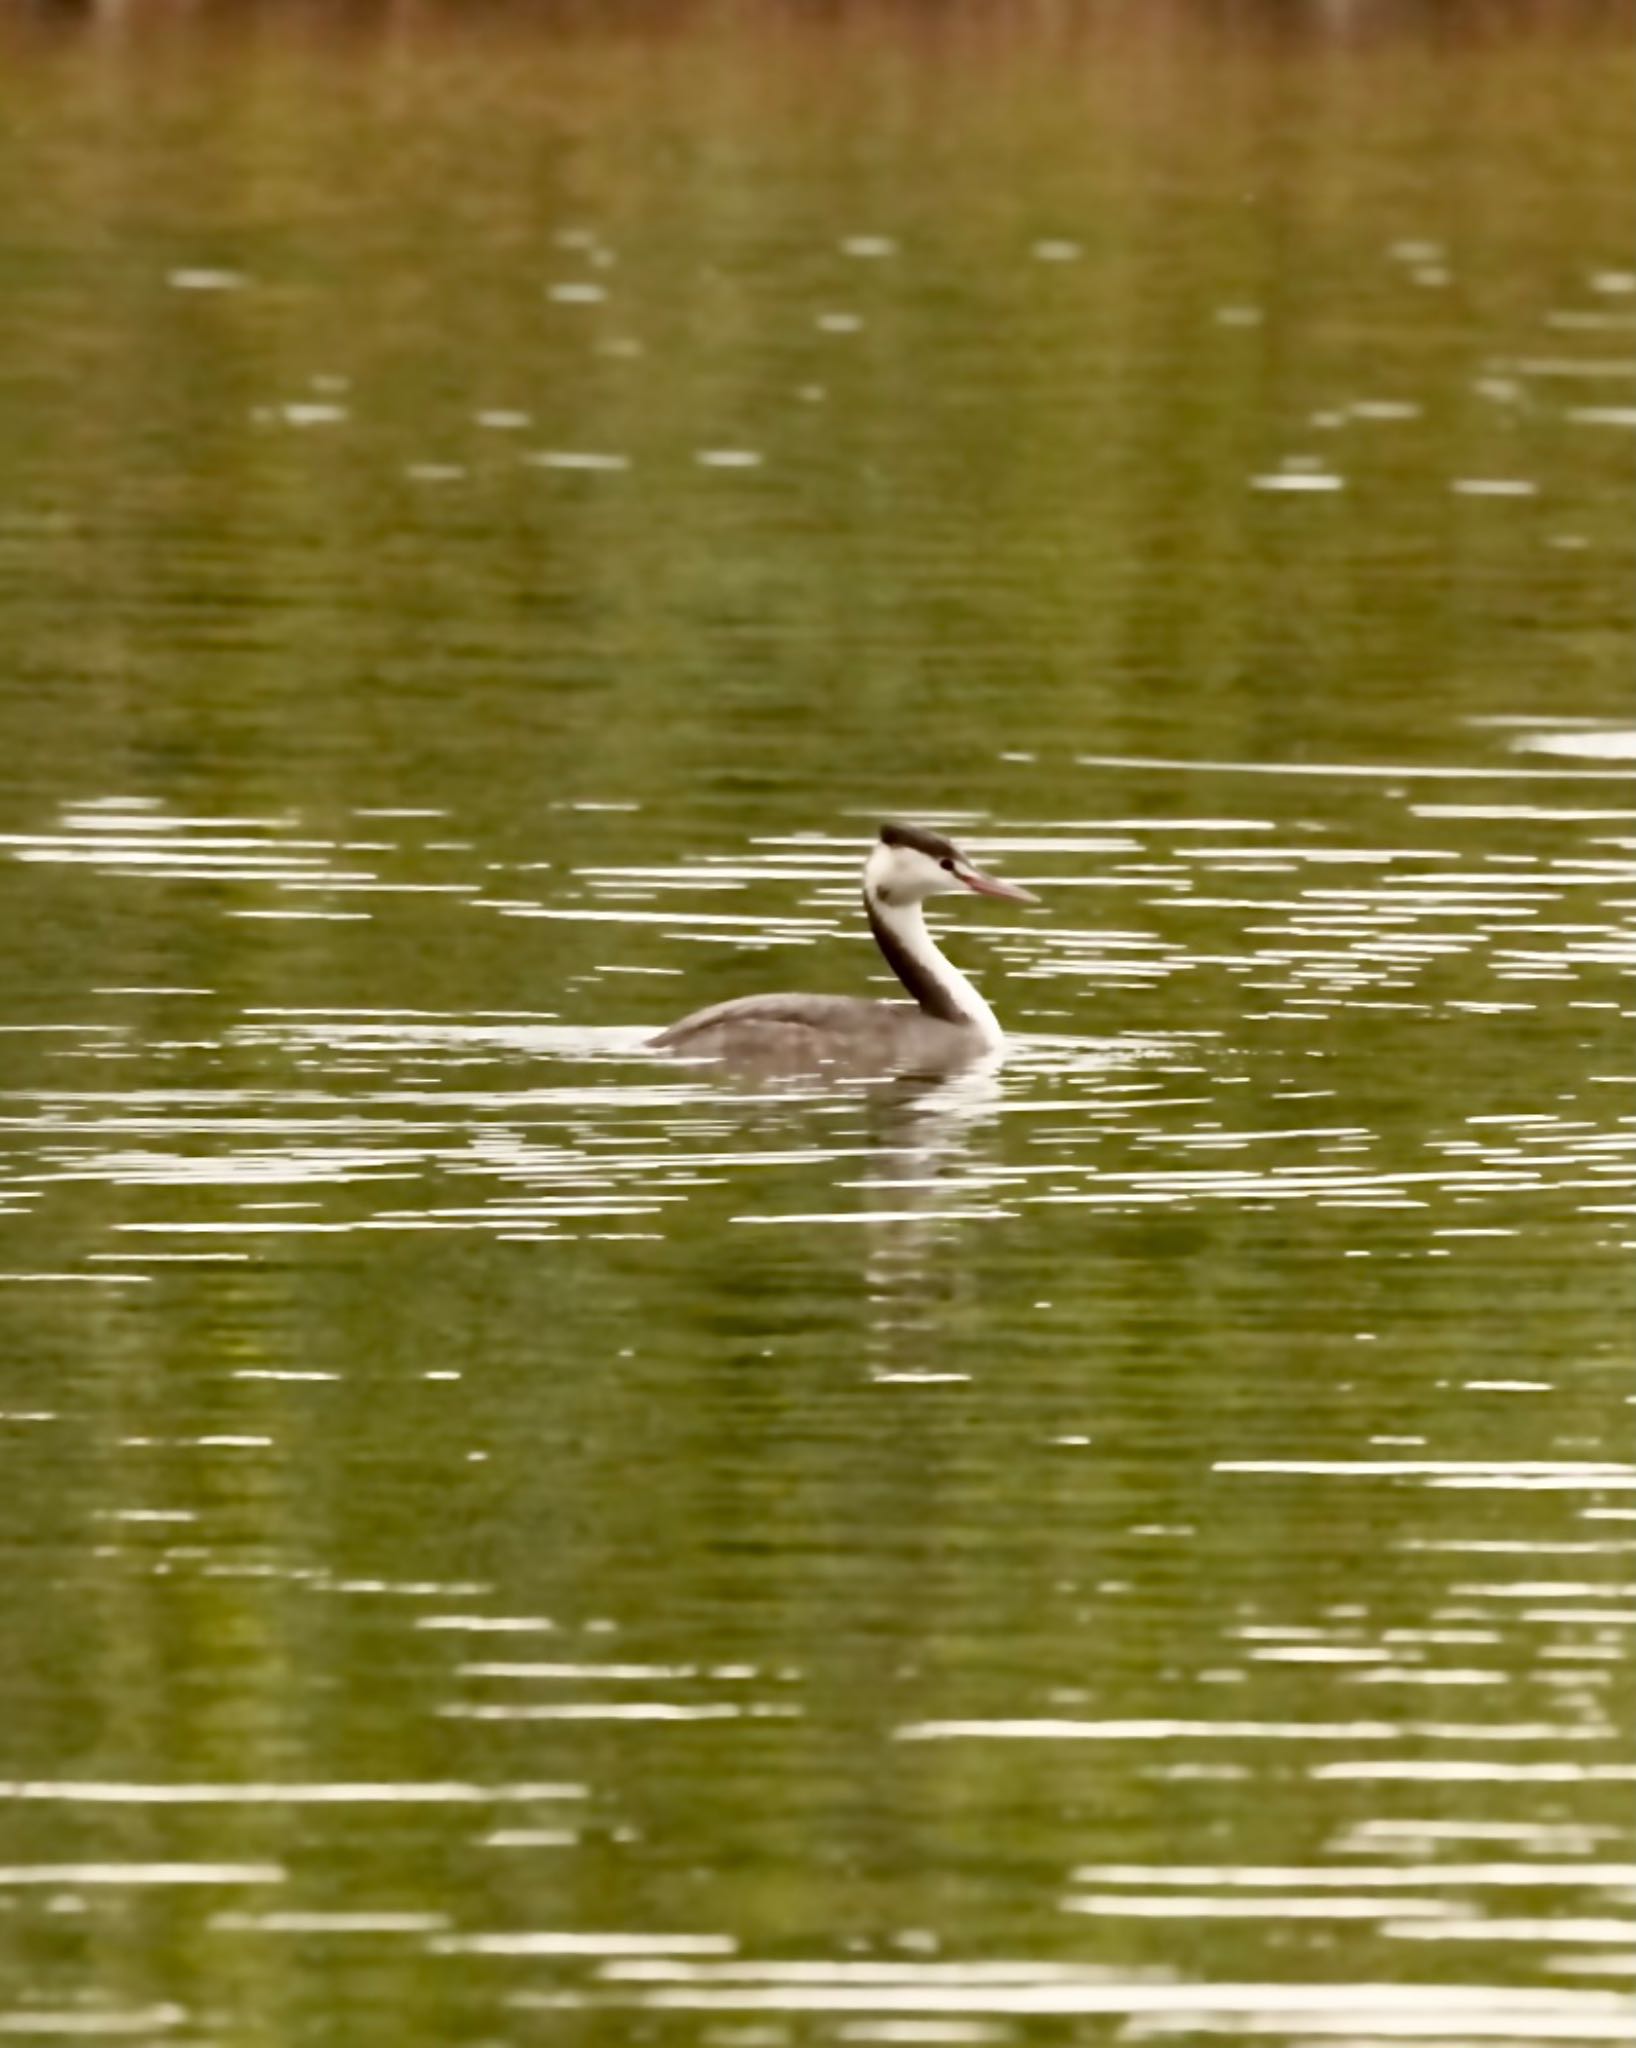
(946, 1025)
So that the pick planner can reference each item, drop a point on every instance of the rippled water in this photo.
(515, 1539)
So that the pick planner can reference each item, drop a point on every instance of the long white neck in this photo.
(936, 984)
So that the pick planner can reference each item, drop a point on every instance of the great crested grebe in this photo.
(949, 1023)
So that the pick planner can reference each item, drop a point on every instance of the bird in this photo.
(946, 1025)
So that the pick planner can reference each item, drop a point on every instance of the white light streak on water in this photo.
(1302, 1878)
(307, 1924)
(1062, 1729)
(1296, 480)
(621, 1710)
(1478, 1771)
(1419, 1836)
(1295, 1906)
(1596, 743)
(206, 280)
(1405, 772)
(1427, 2012)
(490, 1624)
(590, 460)
(1567, 1472)
(560, 1942)
(612, 1673)
(411, 1792)
(1617, 1934)
(91, 2023)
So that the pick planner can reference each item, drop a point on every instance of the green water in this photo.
(509, 1540)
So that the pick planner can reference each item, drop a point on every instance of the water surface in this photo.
(513, 1540)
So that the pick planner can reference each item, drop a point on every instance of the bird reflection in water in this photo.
(923, 1191)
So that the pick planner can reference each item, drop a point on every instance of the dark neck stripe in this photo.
(933, 998)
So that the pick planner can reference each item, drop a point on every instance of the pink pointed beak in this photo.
(990, 885)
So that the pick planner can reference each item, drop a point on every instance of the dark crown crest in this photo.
(932, 844)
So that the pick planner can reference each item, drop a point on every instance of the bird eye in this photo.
(946, 862)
